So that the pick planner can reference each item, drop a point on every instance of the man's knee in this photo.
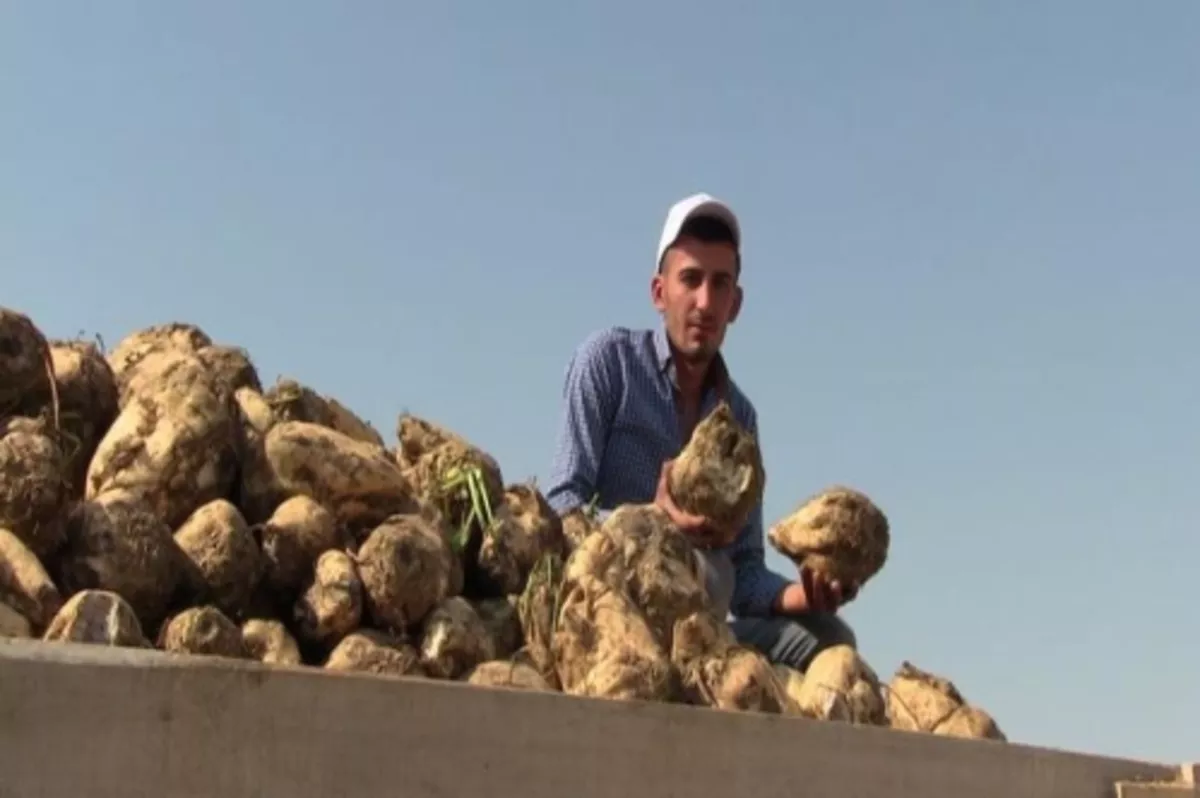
(840, 633)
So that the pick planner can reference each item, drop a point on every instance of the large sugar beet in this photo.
(131, 352)
(99, 617)
(33, 492)
(717, 672)
(225, 558)
(918, 700)
(116, 542)
(719, 474)
(87, 402)
(358, 482)
(840, 685)
(205, 631)
(332, 606)
(838, 533)
(292, 401)
(25, 365)
(292, 539)
(407, 568)
(603, 647)
(639, 551)
(25, 586)
(372, 651)
(176, 448)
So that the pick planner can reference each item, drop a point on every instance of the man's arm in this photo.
(590, 396)
(757, 589)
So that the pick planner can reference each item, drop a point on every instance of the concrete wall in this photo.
(99, 722)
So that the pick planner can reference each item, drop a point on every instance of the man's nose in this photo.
(704, 296)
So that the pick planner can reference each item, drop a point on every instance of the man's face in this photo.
(698, 294)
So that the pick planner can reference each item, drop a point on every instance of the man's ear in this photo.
(738, 296)
(657, 288)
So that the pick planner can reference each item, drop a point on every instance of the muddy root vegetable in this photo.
(25, 365)
(576, 526)
(332, 606)
(292, 539)
(719, 474)
(128, 356)
(838, 533)
(513, 675)
(840, 685)
(221, 369)
(918, 700)
(358, 482)
(257, 492)
(454, 640)
(503, 623)
(270, 642)
(522, 530)
(33, 492)
(87, 401)
(99, 617)
(639, 551)
(25, 585)
(371, 651)
(461, 480)
(716, 671)
(603, 647)
(537, 614)
(230, 367)
(177, 449)
(407, 568)
(292, 401)
(204, 631)
(117, 543)
(792, 681)
(226, 561)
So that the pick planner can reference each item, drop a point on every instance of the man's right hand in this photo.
(696, 527)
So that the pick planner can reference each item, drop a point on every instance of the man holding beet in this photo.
(630, 403)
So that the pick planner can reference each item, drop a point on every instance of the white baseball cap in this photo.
(700, 204)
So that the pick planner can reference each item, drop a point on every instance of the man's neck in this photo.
(690, 378)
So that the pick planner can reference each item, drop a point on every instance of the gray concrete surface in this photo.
(100, 722)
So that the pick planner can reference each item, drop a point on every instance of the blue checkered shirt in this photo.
(620, 423)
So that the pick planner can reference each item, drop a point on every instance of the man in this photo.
(631, 400)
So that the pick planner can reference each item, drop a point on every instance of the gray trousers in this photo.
(784, 640)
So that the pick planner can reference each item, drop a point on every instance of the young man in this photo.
(631, 400)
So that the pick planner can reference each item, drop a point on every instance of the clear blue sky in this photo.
(972, 266)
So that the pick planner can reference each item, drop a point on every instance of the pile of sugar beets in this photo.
(159, 496)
